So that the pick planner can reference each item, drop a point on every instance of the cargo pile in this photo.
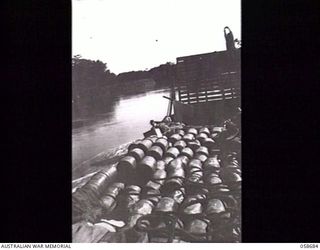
(182, 187)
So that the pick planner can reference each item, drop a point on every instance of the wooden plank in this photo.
(197, 87)
(217, 99)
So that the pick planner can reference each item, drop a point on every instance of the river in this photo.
(128, 120)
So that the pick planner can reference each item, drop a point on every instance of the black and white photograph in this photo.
(124, 123)
(156, 121)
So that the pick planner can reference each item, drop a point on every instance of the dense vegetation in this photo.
(95, 88)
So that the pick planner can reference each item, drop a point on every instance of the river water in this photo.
(127, 121)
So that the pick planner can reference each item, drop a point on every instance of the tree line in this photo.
(95, 87)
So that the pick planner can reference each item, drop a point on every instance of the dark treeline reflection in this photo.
(95, 89)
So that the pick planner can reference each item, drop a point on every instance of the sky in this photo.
(131, 35)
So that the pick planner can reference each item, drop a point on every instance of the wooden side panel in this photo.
(211, 83)
(224, 87)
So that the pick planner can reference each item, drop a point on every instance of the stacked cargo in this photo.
(182, 187)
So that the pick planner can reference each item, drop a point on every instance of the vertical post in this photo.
(171, 101)
(172, 94)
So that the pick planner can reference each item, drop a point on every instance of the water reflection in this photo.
(126, 121)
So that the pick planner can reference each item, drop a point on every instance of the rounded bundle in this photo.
(175, 175)
(195, 172)
(160, 165)
(174, 138)
(180, 132)
(99, 182)
(180, 144)
(187, 152)
(193, 204)
(195, 163)
(214, 207)
(174, 164)
(193, 131)
(139, 209)
(167, 205)
(156, 152)
(204, 130)
(211, 179)
(212, 164)
(184, 159)
(197, 228)
(167, 160)
(162, 143)
(129, 197)
(202, 150)
(147, 167)
(172, 152)
(133, 145)
(137, 153)
(127, 167)
(145, 145)
(108, 200)
(201, 137)
(188, 137)
(194, 145)
(201, 157)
